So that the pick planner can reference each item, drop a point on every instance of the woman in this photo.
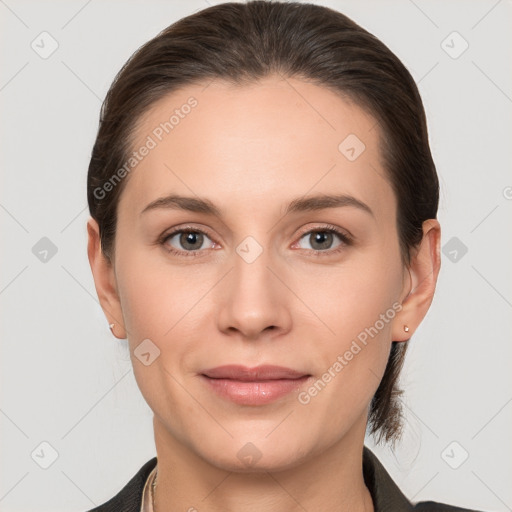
(264, 233)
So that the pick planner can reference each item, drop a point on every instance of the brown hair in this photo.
(244, 42)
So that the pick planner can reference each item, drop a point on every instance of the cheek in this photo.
(154, 295)
(169, 305)
(146, 309)
(155, 303)
(351, 297)
(358, 303)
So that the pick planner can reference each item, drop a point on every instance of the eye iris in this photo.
(323, 238)
(187, 239)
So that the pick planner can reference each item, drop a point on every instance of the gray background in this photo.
(67, 382)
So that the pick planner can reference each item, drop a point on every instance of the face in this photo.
(268, 277)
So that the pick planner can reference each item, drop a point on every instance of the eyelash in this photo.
(346, 240)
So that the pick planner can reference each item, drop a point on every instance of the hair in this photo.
(242, 43)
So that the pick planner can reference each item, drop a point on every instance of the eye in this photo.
(186, 240)
(325, 239)
(189, 241)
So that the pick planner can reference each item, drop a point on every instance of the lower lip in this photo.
(254, 393)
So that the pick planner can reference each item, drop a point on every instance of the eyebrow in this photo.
(301, 204)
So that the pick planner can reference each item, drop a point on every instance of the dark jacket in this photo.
(386, 496)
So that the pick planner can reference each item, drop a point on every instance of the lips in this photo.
(253, 386)
(256, 374)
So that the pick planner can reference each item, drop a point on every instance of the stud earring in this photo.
(406, 328)
(112, 328)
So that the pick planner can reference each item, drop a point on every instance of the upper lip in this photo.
(257, 373)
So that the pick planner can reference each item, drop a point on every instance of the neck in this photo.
(331, 481)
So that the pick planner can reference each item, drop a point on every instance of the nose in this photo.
(254, 303)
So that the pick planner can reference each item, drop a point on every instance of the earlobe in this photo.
(104, 279)
(423, 271)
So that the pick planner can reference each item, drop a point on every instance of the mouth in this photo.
(253, 386)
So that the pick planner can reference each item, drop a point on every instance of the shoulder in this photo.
(386, 495)
(432, 506)
(129, 498)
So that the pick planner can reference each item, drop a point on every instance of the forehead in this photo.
(269, 140)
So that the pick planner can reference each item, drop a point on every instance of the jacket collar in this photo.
(386, 495)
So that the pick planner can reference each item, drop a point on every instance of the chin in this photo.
(242, 455)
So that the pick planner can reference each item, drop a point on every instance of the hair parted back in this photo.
(244, 42)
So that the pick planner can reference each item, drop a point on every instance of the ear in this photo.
(419, 288)
(104, 280)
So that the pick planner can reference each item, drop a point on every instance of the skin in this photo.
(251, 150)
